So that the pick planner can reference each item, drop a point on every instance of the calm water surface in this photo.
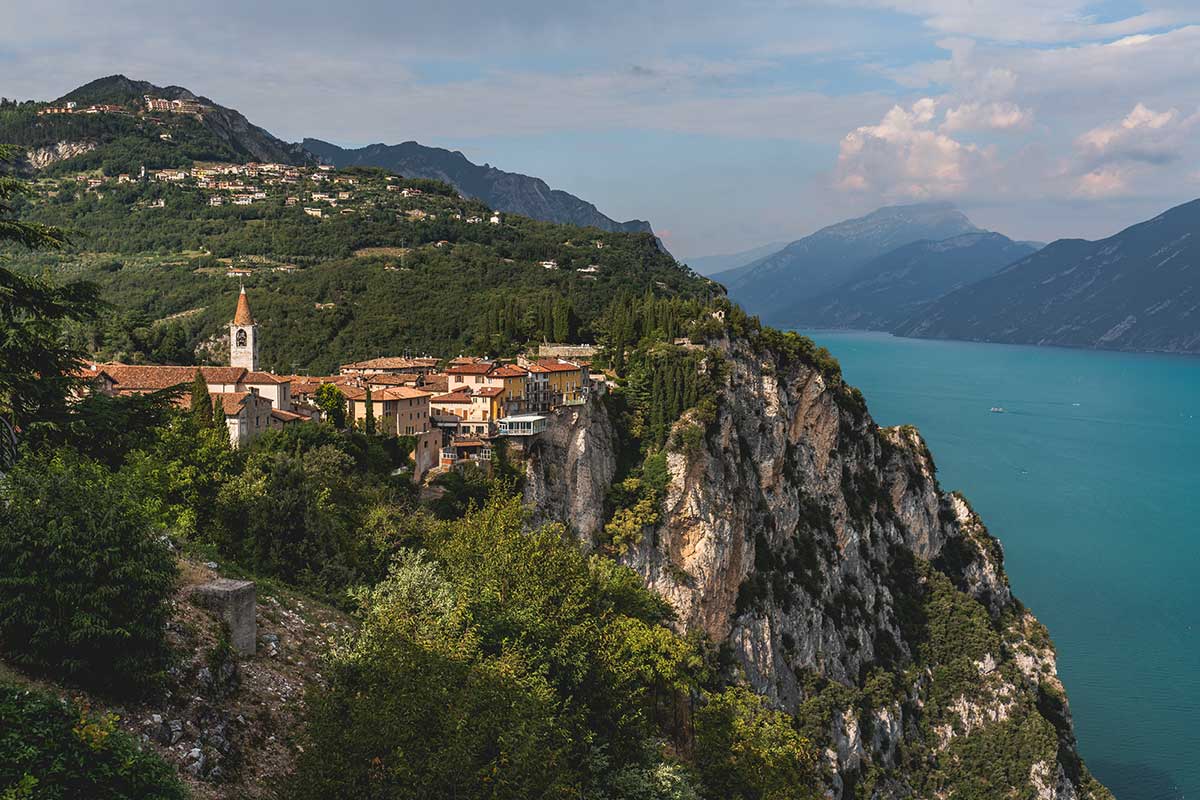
(1091, 479)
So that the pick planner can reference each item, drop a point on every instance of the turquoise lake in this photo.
(1090, 479)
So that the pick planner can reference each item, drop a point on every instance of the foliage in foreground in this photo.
(505, 663)
(84, 576)
(55, 750)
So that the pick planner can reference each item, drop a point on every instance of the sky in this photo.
(726, 124)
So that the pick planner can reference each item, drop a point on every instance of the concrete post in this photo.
(235, 602)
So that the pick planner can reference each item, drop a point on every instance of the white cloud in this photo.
(1114, 158)
(996, 116)
(905, 156)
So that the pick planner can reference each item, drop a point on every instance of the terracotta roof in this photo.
(148, 378)
(436, 382)
(465, 360)
(242, 315)
(454, 397)
(390, 362)
(91, 374)
(490, 391)
(556, 366)
(509, 371)
(262, 377)
(392, 380)
(470, 369)
(287, 416)
(232, 402)
(396, 393)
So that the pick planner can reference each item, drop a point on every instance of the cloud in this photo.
(997, 116)
(1033, 21)
(1111, 159)
(905, 156)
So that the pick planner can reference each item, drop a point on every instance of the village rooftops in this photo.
(390, 362)
(397, 393)
(148, 378)
(262, 377)
(476, 368)
(232, 402)
(490, 391)
(453, 397)
(509, 371)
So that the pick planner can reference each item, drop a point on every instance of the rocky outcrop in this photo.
(41, 157)
(570, 468)
(819, 552)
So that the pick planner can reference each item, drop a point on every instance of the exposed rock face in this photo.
(821, 553)
(41, 157)
(570, 469)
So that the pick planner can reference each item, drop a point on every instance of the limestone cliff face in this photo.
(820, 552)
(41, 157)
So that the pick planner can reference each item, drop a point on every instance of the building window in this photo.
(241, 337)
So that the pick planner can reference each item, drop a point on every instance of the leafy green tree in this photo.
(38, 371)
(55, 750)
(332, 402)
(747, 751)
(85, 579)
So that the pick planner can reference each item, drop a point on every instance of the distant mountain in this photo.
(504, 191)
(773, 286)
(889, 289)
(1137, 290)
(225, 124)
(712, 265)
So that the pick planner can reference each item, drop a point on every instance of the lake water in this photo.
(1091, 480)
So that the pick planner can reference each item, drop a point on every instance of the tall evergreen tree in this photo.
(202, 402)
(370, 415)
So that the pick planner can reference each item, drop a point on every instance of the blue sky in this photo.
(726, 124)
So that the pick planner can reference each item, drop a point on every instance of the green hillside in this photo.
(378, 273)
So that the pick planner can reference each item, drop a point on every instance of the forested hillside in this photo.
(397, 265)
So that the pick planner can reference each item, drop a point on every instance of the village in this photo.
(453, 410)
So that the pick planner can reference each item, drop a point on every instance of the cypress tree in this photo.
(370, 418)
(202, 402)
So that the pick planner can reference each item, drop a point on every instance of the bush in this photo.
(746, 751)
(84, 578)
(52, 750)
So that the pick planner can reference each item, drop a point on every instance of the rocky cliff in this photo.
(818, 551)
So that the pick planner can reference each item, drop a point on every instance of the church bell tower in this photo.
(243, 336)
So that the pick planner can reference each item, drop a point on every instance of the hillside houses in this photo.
(451, 415)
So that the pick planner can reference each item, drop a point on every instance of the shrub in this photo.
(84, 578)
(746, 751)
(54, 750)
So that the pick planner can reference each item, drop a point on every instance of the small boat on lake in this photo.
(996, 410)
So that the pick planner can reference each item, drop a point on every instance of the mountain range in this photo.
(501, 190)
(1136, 290)
(889, 289)
(776, 285)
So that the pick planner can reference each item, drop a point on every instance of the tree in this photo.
(332, 402)
(85, 579)
(747, 751)
(38, 372)
(202, 402)
(369, 422)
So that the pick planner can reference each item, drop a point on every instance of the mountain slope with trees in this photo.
(504, 191)
(1136, 290)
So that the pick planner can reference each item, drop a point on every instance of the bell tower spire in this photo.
(243, 336)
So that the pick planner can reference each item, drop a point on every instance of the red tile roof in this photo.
(262, 377)
(149, 378)
(391, 362)
(509, 371)
(470, 369)
(490, 391)
(453, 397)
(287, 416)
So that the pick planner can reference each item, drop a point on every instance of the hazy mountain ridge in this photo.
(1136, 290)
(817, 263)
(889, 289)
(505, 191)
(727, 262)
